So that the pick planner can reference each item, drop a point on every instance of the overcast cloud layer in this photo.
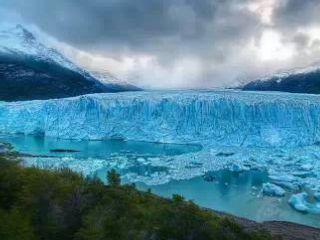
(177, 43)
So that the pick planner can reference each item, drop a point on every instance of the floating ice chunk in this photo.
(238, 168)
(306, 167)
(281, 177)
(141, 160)
(156, 159)
(272, 190)
(288, 185)
(299, 202)
(302, 174)
(285, 180)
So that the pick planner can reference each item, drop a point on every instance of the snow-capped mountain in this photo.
(30, 70)
(107, 78)
(302, 80)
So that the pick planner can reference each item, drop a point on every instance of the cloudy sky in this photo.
(177, 43)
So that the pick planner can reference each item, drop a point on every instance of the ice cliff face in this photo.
(227, 118)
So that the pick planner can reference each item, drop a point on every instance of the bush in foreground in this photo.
(62, 205)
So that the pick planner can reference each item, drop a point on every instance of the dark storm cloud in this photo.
(292, 17)
(301, 40)
(216, 35)
(143, 25)
(85, 21)
(297, 13)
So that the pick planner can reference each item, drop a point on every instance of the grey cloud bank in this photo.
(182, 43)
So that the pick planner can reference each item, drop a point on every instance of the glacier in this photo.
(277, 133)
(224, 118)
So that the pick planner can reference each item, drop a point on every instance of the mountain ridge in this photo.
(300, 80)
(29, 70)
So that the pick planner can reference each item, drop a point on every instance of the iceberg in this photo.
(299, 202)
(285, 179)
(223, 118)
(270, 189)
(237, 168)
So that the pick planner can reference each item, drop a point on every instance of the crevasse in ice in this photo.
(226, 118)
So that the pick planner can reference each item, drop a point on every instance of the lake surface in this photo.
(231, 192)
(95, 149)
(238, 194)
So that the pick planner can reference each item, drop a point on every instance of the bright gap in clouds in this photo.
(263, 54)
(271, 47)
(263, 8)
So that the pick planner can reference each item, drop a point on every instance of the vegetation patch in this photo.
(62, 205)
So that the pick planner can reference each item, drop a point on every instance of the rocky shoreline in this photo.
(287, 230)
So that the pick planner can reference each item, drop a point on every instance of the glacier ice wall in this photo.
(227, 118)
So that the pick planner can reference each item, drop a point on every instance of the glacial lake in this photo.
(237, 193)
(37, 145)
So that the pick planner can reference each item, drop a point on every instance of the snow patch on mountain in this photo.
(30, 70)
(15, 39)
(280, 75)
(108, 78)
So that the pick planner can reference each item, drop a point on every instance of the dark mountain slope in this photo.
(305, 80)
(29, 70)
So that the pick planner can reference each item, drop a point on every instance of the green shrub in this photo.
(62, 205)
(14, 225)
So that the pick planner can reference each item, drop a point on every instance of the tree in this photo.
(15, 226)
(113, 178)
(40, 204)
(177, 199)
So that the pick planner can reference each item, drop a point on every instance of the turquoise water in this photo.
(235, 193)
(238, 194)
(37, 145)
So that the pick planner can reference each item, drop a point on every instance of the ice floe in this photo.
(299, 202)
(270, 189)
